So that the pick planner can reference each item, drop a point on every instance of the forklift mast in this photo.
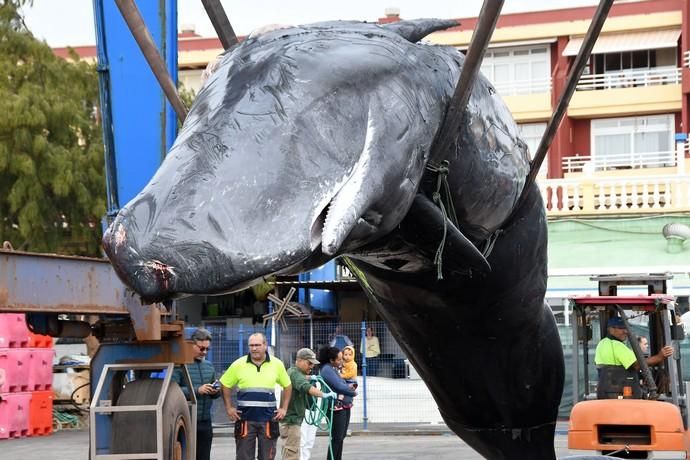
(656, 282)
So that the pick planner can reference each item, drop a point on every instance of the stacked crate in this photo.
(26, 363)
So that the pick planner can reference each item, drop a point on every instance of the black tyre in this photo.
(135, 432)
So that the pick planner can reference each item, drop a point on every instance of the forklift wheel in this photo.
(135, 432)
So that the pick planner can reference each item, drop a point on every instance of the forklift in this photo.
(641, 415)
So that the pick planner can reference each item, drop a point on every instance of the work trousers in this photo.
(204, 438)
(340, 423)
(290, 435)
(250, 434)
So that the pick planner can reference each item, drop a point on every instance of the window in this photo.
(633, 142)
(634, 60)
(532, 133)
(518, 70)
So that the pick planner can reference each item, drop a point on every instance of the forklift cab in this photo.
(651, 315)
(609, 415)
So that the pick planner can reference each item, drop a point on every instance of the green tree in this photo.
(52, 189)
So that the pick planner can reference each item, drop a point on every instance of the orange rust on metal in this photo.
(56, 256)
(4, 297)
(168, 356)
(60, 309)
(59, 284)
(147, 322)
(178, 328)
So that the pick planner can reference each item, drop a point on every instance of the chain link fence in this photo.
(391, 391)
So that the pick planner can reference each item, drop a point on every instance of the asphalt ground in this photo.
(435, 443)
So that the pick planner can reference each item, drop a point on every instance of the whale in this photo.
(321, 141)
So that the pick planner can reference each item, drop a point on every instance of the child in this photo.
(349, 371)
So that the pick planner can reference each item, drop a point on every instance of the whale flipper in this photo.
(425, 221)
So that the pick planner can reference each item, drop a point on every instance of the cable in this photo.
(321, 409)
(74, 403)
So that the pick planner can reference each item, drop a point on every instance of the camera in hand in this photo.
(216, 385)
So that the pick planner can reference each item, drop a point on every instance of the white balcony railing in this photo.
(520, 87)
(687, 59)
(630, 79)
(620, 161)
(596, 196)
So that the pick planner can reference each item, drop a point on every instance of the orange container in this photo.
(41, 413)
(40, 341)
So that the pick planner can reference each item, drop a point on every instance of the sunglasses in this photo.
(201, 348)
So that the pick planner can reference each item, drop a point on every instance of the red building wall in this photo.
(562, 143)
(582, 137)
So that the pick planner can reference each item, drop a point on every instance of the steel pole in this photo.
(221, 23)
(362, 346)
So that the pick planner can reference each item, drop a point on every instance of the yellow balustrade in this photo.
(596, 196)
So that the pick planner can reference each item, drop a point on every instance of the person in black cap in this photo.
(612, 350)
(617, 364)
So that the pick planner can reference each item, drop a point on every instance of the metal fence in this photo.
(391, 391)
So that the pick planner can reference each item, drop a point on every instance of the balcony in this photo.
(630, 79)
(527, 100)
(522, 87)
(598, 196)
(619, 161)
(613, 95)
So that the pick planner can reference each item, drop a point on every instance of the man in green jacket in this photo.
(302, 388)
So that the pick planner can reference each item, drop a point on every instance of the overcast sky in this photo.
(70, 22)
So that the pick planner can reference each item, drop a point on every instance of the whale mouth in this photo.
(316, 231)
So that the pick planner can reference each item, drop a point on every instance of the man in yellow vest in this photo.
(256, 417)
(613, 357)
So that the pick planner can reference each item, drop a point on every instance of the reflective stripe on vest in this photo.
(256, 404)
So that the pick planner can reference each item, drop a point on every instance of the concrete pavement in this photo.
(384, 444)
